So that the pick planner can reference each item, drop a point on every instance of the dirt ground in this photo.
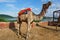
(37, 33)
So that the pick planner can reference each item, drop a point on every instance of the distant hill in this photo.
(5, 16)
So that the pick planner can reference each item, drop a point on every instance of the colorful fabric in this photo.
(29, 9)
(24, 10)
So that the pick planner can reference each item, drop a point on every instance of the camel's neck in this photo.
(43, 11)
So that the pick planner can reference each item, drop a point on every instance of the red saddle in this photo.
(23, 11)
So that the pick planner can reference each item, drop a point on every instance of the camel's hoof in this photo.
(19, 36)
(19, 33)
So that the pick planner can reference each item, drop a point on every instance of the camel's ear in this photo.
(49, 3)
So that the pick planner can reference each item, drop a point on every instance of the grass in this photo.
(3, 20)
(6, 20)
(37, 20)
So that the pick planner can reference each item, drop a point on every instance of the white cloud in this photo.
(9, 13)
(7, 0)
(35, 9)
(12, 7)
(12, 10)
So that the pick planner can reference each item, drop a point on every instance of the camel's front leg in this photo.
(29, 20)
(28, 31)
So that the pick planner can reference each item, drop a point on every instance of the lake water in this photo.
(46, 19)
(12, 18)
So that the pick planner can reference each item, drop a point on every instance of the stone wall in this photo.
(14, 24)
(8, 24)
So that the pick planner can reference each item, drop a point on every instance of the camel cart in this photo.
(56, 19)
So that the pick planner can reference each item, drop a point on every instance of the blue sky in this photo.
(12, 7)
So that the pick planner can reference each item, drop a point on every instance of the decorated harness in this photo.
(24, 11)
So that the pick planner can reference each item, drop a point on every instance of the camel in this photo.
(30, 16)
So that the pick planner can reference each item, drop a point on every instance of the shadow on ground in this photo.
(12, 27)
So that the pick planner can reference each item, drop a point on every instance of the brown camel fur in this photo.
(30, 16)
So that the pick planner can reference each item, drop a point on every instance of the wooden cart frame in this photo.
(56, 19)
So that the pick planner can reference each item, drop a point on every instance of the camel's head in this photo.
(46, 6)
